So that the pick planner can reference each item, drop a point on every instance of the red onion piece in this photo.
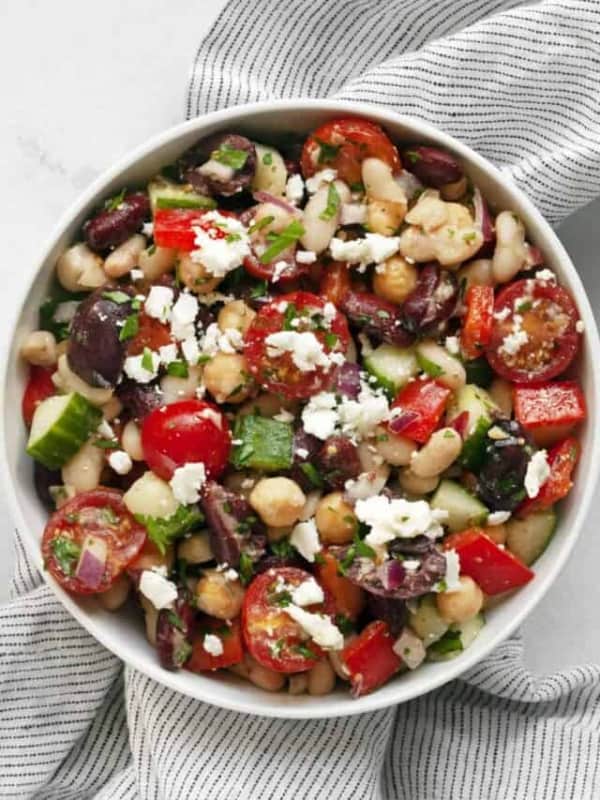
(92, 562)
(401, 420)
(483, 220)
(265, 197)
(391, 574)
(460, 423)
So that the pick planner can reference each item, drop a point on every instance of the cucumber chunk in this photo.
(264, 444)
(392, 366)
(166, 194)
(464, 510)
(457, 638)
(426, 621)
(61, 425)
(527, 538)
(480, 407)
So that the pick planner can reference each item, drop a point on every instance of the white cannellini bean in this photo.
(83, 471)
(67, 381)
(131, 440)
(415, 485)
(272, 176)
(319, 232)
(113, 598)
(396, 450)
(452, 373)
(112, 409)
(476, 273)
(125, 257)
(39, 348)
(157, 261)
(501, 392)
(151, 496)
(260, 676)
(510, 253)
(80, 268)
(386, 199)
(174, 389)
(437, 454)
(321, 678)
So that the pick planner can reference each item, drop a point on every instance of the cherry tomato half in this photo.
(39, 387)
(230, 636)
(276, 370)
(272, 637)
(99, 514)
(184, 432)
(545, 317)
(343, 144)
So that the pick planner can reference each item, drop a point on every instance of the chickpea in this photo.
(415, 485)
(79, 268)
(219, 597)
(236, 315)
(131, 439)
(395, 279)
(150, 495)
(277, 534)
(260, 676)
(113, 598)
(501, 392)
(227, 378)
(396, 450)
(277, 501)
(125, 257)
(461, 604)
(195, 275)
(151, 557)
(336, 521)
(84, 469)
(157, 261)
(268, 405)
(321, 678)
(298, 683)
(39, 348)
(195, 549)
(384, 216)
(476, 273)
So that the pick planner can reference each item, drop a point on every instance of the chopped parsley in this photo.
(283, 549)
(304, 651)
(259, 290)
(280, 242)
(312, 474)
(106, 444)
(245, 569)
(449, 643)
(66, 552)
(281, 599)
(163, 531)
(290, 314)
(345, 624)
(331, 339)
(469, 237)
(267, 159)
(262, 223)
(233, 237)
(230, 156)
(114, 202)
(412, 156)
(327, 152)
(333, 203)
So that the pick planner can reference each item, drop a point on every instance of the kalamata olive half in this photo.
(432, 166)
(110, 228)
(174, 630)
(432, 302)
(376, 317)
(233, 528)
(224, 149)
(377, 580)
(96, 352)
(139, 399)
(388, 609)
(304, 470)
(338, 461)
(501, 478)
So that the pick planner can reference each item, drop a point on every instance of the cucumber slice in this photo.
(392, 366)
(528, 538)
(60, 426)
(166, 194)
(264, 444)
(457, 638)
(464, 510)
(480, 409)
(426, 621)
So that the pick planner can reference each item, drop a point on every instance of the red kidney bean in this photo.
(376, 317)
(111, 228)
(338, 461)
(432, 302)
(432, 166)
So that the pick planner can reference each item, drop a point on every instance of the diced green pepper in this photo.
(261, 443)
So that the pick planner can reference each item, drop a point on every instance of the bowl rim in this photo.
(346, 706)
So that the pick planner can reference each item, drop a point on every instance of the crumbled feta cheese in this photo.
(367, 484)
(579, 326)
(159, 303)
(156, 588)
(305, 539)
(217, 171)
(278, 270)
(190, 350)
(514, 341)
(319, 178)
(133, 367)
(306, 256)
(302, 452)
(212, 644)
(221, 254)
(183, 316)
(231, 574)
(373, 249)
(148, 229)
(398, 518)
(306, 350)
(353, 214)
(452, 576)
(120, 461)
(187, 482)
(502, 314)
(329, 313)
(452, 345)
(411, 564)
(498, 517)
(538, 472)
(136, 274)
(105, 430)
(410, 648)
(319, 415)
(307, 593)
(294, 189)
(167, 353)
(319, 627)
(359, 417)
(217, 341)
(284, 416)
(545, 275)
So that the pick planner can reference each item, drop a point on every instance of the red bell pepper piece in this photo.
(549, 411)
(370, 659)
(231, 639)
(39, 387)
(494, 569)
(173, 227)
(478, 321)
(562, 460)
(349, 599)
(418, 408)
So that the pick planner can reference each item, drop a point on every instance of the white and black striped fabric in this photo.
(519, 83)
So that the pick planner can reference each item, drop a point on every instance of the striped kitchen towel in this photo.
(520, 83)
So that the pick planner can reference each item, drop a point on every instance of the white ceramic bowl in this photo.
(124, 633)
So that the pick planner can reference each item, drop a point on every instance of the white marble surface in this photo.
(81, 84)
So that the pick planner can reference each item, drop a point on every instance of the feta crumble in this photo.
(305, 539)
(221, 254)
(319, 178)
(498, 517)
(306, 350)
(217, 341)
(514, 341)
(159, 303)
(307, 593)
(190, 350)
(278, 270)
(284, 416)
(452, 345)
(120, 461)
(319, 627)
(373, 249)
(579, 326)
(294, 189)
(187, 482)
(319, 415)
(306, 256)
(452, 576)
(183, 316)
(538, 472)
(167, 353)
(212, 644)
(398, 519)
(353, 214)
(545, 275)
(133, 367)
(157, 589)
(105, 430)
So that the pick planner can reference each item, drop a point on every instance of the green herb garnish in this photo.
(178, 368)
(312, 473)
(67, 553)
(117, 297)
(163, 531)
(230, 156)
(333, 203)
(245, 569)
(114, 202)
(267, 159)
(281, 241)
(262, 223)
(106, 444)
(130, 328)
(304, 651)
(147, 361)
(327, 152)
(259, 290)
(344, 623)
(331, 340)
